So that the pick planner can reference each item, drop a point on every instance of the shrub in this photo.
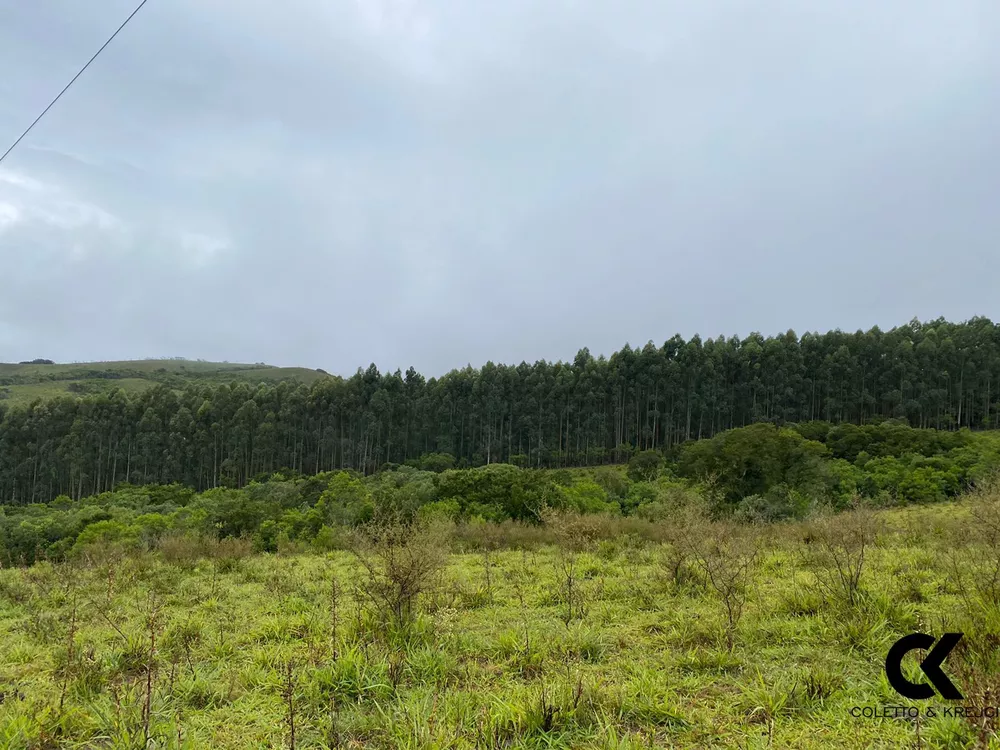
(645, 466)
(587, 496)
(973, 557)
(399, 562)
(728, 556)
(611, 481)
(839, 545)
(106, 537)
(186, 549)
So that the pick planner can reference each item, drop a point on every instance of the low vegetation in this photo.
(740, 591)
(585, 631)
(754, 474)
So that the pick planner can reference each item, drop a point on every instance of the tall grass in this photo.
(583, 632)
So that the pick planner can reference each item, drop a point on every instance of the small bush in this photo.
(728, 556)
(400, 562)
(839, 549)
(186, 550)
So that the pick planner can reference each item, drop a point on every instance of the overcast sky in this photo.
(329, 183)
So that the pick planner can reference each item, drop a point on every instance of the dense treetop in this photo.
(589, 411)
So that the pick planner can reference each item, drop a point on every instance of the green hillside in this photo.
(26, 382)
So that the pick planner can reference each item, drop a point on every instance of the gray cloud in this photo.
(332, 183)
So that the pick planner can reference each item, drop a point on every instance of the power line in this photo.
(28, 129)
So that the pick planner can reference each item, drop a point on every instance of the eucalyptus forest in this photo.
(590, 411)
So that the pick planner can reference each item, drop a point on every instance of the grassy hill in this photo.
(26, 382)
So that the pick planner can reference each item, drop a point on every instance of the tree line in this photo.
(589, 411)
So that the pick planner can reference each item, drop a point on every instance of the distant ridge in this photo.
(43, 378)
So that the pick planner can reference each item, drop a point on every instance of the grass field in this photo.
(591, 638)
(25, 383)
